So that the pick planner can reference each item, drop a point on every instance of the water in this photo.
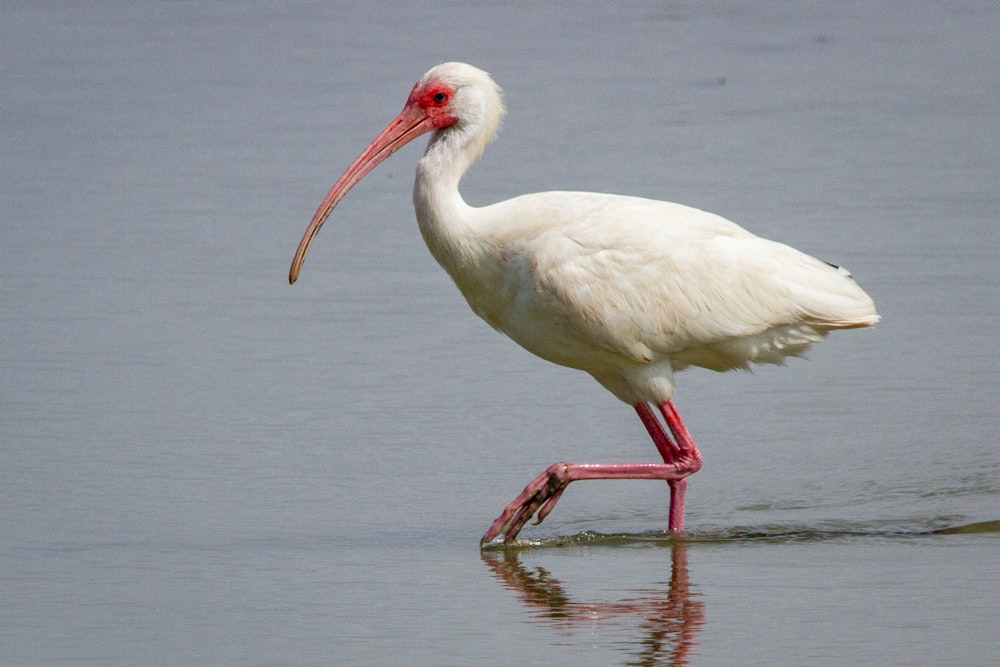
(201, 464)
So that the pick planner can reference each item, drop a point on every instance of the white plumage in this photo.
(630, 290)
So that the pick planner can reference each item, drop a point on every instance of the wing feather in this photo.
(648, 279)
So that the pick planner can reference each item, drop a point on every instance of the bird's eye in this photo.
(440, 97)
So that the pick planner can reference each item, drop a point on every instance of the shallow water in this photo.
(201, 464)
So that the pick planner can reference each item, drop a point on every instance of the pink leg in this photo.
(686, 456)
(668, 450)
(543, 492)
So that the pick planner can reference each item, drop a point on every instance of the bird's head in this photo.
(459, 102)
(459, 96)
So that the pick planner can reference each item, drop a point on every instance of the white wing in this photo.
(646, 280)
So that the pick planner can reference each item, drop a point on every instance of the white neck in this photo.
(445, 220)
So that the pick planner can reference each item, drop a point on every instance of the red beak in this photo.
(412, 121)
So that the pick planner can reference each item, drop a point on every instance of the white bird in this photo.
(629, 290)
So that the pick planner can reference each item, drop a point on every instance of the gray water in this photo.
(202, 465)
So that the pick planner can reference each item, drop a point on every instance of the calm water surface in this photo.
(203, 465)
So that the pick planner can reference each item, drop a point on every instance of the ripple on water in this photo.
(771, 533)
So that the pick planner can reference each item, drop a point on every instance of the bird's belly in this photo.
(548, 335)
(559, 342)
(542, 337)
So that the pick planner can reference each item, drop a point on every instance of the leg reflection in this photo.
(669, 616)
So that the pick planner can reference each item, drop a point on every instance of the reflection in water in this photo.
(670, 615)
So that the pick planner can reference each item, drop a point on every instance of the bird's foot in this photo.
(540, 495)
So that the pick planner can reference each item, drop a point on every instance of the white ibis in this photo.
(629, 290)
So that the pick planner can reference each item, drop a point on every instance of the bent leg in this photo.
(680, 459)
(543, 492)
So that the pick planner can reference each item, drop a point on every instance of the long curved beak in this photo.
(408, 125)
